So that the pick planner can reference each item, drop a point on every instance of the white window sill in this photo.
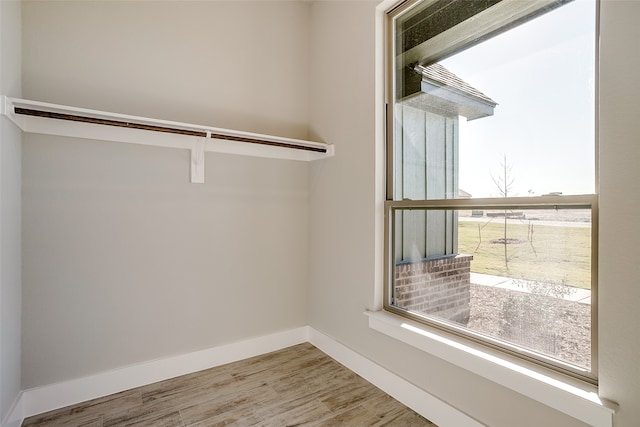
(571, 397)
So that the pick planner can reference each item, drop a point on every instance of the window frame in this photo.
(588, 201)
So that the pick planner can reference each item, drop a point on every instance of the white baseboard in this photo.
(47, 398)
(427, 405)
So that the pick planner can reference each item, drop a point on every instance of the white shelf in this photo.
(62, 120)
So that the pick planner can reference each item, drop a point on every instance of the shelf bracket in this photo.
(8, 111)
(197, 159)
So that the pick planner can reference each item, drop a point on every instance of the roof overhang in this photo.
(446, 101)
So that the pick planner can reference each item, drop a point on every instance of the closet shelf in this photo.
(62, 120)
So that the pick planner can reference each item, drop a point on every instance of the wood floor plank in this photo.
(238, 401)
(349, 395)
(186, 394)
(327, 374)
(296, 386)
(142, 419)
(67, 420)
(355, 416)
(302, 414)
(90, 413)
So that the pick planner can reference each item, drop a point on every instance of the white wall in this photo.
(10, 211)
(124, 260)
(345, 263)
(619, 204)
(238, 65)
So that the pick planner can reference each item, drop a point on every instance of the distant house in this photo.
(463, 194)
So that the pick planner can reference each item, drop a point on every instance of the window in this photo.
(491, 212)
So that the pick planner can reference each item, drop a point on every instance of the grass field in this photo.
(545, 253)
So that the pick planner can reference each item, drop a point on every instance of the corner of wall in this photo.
(10, 215)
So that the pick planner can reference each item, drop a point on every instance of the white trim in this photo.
(47, 398)
(572, 397)
(427, 405)
(47, 126)
(15, 416)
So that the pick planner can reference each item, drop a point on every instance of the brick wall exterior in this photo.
(438, 287)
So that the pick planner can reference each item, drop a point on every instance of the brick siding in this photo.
(438, 287)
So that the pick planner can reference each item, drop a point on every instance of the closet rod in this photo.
(124, 124)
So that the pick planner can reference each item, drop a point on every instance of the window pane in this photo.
(521, 277)
(511, 116)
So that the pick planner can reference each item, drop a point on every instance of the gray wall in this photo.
(10, 211)
(92, 193)
(238, 65)
(125, 261)
(344, 197)
(426, 167)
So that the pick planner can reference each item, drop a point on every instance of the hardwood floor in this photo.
(297, 386)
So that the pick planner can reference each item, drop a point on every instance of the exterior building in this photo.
(431, 277)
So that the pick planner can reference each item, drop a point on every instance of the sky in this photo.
(541, 74)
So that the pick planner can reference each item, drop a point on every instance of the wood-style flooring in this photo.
(297, 386)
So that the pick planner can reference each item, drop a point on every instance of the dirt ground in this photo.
(496, 312)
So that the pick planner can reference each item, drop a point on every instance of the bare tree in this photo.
(504, 183)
